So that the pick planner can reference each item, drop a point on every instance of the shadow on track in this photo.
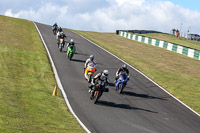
(111, 84)
(77, 60)
(82, 54)
(141, 95)
(122, 106)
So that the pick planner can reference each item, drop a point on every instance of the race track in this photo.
(142, 108)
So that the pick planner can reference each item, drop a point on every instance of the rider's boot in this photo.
(90, 88)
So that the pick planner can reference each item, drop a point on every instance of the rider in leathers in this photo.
(122, 70)
(100, 76)
(62, 36)
(60, 31)
(55, 26)
(90, 60)
(71, 43)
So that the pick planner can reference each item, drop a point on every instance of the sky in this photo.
(109, 15)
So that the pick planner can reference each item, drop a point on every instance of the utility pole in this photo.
(180, 28)
(188, 31)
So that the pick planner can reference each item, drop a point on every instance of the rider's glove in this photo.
(106, 90)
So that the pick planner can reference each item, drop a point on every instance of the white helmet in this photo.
(105, 73)
(124, 66)
(91, 57)
(71, 40)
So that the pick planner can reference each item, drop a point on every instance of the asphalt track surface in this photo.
(142, 108)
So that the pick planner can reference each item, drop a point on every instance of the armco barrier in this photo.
(193, 53)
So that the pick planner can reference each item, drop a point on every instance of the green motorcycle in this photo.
(70, 51)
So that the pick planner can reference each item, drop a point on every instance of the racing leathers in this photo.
(99, 76)
(61, 36)
(71, 44)
(55, 26)
(89, 61)
(122, 71)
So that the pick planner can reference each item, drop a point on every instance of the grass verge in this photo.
(176, 73)
(27, 83)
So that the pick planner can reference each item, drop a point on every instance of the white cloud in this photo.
(120, 14)
(10, 14)
(48, 13)
(132, 2)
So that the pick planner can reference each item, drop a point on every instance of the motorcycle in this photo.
(121, 83)
(70, 51)
(97, 91)
(61, 44)
(89, 71)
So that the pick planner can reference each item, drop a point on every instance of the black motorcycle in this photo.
(97, 90)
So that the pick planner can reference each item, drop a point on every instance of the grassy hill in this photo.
(27, 83)
(178, 74)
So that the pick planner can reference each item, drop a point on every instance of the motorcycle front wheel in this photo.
(96, 97)
(60, 47)
(120, 88)
(70, 56)
(90, 78)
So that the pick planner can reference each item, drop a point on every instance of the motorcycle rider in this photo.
(55, 26)
(71, 43)
(100, 76)
(90, 60)
(62, 36)
(60, 31)
(122, 70)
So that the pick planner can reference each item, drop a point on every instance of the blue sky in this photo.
(109, 15)
(191, 4)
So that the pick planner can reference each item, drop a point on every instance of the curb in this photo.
(189, 52)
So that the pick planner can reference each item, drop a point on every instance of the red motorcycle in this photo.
(97, 90)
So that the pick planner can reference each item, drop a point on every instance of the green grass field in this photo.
(27, 83)
(178, 74)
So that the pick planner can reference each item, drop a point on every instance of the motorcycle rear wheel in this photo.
(92, 95)
(61, 47)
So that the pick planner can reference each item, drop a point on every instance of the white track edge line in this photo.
(59, 82)
(141, 74)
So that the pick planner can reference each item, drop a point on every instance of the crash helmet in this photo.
(71, 40)
(91, 57)
(124, 66)
(105, 73)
